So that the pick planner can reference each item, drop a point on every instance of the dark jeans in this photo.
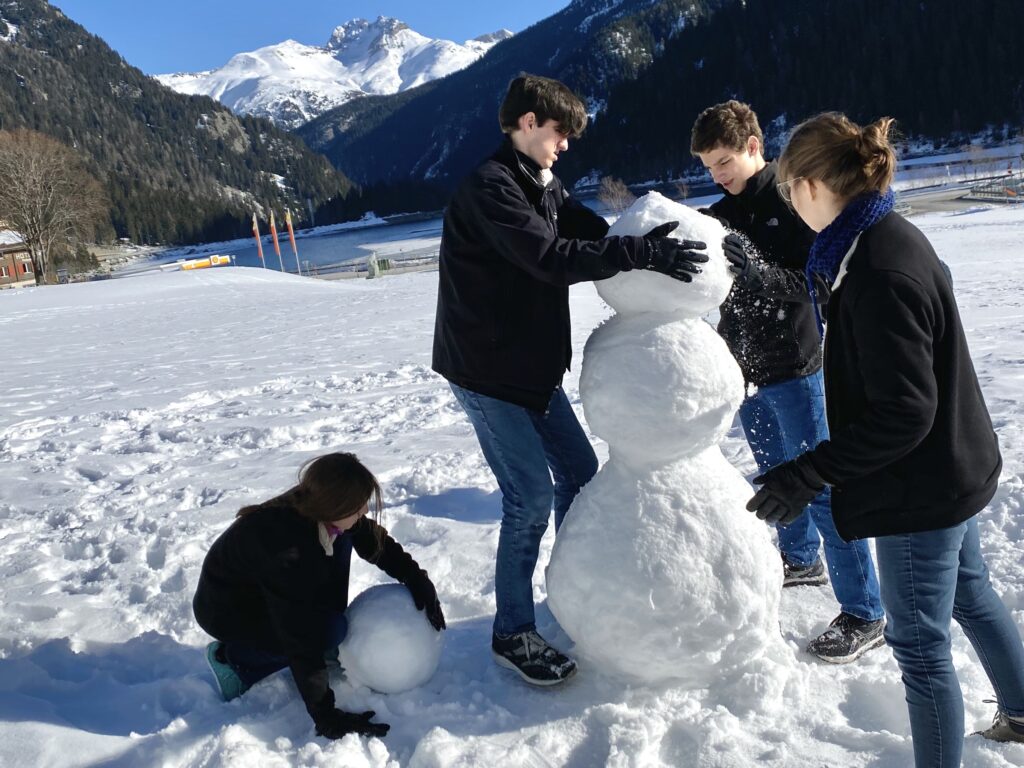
(928, 579)
(253, 664)
(524, 449)
(782, 421)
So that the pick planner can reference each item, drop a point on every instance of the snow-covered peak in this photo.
(361, 37)
(292, 83)
(492, 37)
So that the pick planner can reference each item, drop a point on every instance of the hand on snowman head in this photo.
(738, 250)
(678, 259)
(786, 490)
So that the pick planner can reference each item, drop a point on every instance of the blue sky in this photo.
(187, 35)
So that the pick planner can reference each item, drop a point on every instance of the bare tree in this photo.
(47, 196)
(615, 195)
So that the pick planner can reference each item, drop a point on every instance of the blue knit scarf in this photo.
(834, 241)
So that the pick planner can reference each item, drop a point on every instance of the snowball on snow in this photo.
(390, 646)
(642, 290)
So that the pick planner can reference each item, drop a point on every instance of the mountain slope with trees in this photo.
(175, 168)
(944, 69)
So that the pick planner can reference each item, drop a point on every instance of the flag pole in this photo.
(259, 245)
(273, 235)
(291, 238)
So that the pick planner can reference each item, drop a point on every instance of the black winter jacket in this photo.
(267, 583)
(772, 333)
(912, 446)
(510, 249)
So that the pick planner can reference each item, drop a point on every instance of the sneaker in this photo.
(229, 684)
(812, 575)
(536, 661)
(1004, 728)
(847, 639)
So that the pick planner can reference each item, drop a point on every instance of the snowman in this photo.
(659, 575)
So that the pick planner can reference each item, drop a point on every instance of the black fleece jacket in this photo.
(912, 446)
(772, 332)
(267, 583)
(510, 248)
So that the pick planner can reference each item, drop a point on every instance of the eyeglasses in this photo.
(786, 190)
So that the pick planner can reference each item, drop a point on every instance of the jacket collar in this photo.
(525, 165)
(760, 181)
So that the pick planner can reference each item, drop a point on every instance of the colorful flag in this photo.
(277, 246)
(259, 245)
(291, 238)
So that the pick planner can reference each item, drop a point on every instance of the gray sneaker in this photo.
(536, 660)
(847, 639)
(812, 575)
(1004, 728)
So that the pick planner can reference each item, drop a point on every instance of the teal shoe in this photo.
(229, 684)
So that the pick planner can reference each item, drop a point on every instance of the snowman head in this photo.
(642, 290)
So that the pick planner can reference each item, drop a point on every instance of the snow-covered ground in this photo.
(138, 415)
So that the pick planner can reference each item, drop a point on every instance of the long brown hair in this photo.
(331, 487)
(849, 159)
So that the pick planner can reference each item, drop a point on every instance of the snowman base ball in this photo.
(390, 646)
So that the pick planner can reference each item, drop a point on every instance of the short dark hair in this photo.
(729, 124)
(548, 99)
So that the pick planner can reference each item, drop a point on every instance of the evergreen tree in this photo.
(176, 168)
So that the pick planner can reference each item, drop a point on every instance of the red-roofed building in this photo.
(15, 261)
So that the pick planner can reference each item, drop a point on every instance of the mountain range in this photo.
(292, 83)
(946, 70)
(437, 131)
(181, 168)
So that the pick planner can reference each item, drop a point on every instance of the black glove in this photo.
(676, 258)
(746, 268)
(786, 490)
(335, 723)
(424, 595)
(662, 230)
(711, 214)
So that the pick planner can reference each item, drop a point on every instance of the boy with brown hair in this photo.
(769, 324)
(512, 243)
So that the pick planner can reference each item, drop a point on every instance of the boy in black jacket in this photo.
(513, 242)
(769, 325)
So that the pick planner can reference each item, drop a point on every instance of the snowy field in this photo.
(140, 414)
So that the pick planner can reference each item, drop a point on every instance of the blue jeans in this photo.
(524, 449)
(928, 579)
(782, 421)
(253, 664)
